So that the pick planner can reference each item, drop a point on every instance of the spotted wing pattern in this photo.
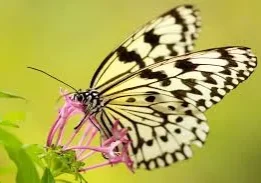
(163, 104)
(171, 34)
(161, 128)
(201, 78)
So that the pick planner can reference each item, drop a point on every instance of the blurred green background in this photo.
(70, 39)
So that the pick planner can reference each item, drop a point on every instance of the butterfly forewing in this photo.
(200, 78)
(171, 34)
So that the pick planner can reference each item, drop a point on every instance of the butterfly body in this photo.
(90, 99)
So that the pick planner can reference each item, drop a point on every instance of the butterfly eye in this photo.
(79, 97)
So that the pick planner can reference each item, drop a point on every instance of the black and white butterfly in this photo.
(160, 91)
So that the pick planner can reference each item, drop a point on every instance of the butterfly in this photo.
(159, 90)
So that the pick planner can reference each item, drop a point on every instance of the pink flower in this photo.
(114, 148)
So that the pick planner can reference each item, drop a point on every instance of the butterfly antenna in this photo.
(53, 78)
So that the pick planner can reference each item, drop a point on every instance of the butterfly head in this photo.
(90, 99)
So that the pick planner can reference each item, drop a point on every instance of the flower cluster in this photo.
(114, 148)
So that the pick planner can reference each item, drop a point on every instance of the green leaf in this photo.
(8, 123)
(11, 119)
(47, 176)
(8, 95)
(60, 162)
(63, 181)
(35, 151)
(26, 171)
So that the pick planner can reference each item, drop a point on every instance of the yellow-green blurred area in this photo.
(70, 38)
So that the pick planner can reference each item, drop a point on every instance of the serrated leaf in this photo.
(47, 176)
(26, 171)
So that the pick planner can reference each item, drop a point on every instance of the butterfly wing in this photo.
(201, 78)
(163, 104)
(161, 127)
(171, 34)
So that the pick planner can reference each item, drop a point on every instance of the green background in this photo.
(69, 38)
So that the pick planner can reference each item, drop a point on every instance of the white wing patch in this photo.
(171, 34)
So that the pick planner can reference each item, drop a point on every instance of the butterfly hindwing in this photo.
(161, 128)
(171, 34)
